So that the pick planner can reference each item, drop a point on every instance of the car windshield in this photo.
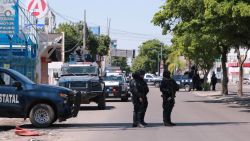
(22, 77)
(177, 76)
(114, 78)
(78, 70)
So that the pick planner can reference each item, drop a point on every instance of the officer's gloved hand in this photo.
(141, 99)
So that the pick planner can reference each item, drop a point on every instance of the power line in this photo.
(113, 30)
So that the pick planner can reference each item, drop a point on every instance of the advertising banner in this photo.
(8, 18)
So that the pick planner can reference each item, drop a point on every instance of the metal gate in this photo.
(23, 65)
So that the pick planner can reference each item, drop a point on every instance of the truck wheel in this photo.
(42, 115)
(157, 84)
(187, 87)
(124, 99)
(101, 102)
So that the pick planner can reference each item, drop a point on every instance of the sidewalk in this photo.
(229, 99)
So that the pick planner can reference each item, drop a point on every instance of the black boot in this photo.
(135, 119)
(142, 119)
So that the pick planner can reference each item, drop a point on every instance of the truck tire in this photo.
(101, 102)
(187, 87)
(157, 84)
(42, 115)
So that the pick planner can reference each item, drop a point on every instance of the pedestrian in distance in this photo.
(168, 88)
(139, 89)
(213, 81)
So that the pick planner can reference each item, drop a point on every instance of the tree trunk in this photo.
(224, 81)
(240, 86)
(241, 60)
(205, 76)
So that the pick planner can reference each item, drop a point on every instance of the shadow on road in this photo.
(128, 126)
(117, 100)
(236, 101)
(205, 101)
(6, 128)
(207, 123)
(90, 108)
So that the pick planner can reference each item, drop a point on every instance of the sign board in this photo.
(30, 26)
(8, 17)
(96, 30)
(38, 8)
(121, 52)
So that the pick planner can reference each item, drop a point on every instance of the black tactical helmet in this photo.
(166, 74)
(141, 72)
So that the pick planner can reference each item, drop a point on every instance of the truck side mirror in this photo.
(55, 75)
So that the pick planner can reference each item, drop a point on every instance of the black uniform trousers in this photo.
(213, 86)
(144, 107)
(140, 109)
(137, 110)
(167, 105)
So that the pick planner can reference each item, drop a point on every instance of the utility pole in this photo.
(110, 47)
(84, 30)
(63, 47)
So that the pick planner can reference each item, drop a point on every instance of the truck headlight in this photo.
(178, 82)
(63, 95)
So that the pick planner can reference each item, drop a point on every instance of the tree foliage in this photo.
(203, 27)
(72, 37)
(149, 56)
(97, 45)
(121, 62)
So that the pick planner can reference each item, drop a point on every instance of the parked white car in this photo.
(152, 79)
(245, 81)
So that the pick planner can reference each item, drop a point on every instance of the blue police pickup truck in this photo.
(184, 82)
(42, 104)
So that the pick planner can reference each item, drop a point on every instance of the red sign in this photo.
(38, 8)
(237, 65)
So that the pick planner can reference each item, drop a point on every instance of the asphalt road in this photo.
(197, 119)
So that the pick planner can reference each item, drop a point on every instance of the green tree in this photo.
(97, 45)
(175, 65)
(224, 24)
(139, 63)
(229, 21)
(72, 37)
(150, 51)
(104, 42)
(121, 62)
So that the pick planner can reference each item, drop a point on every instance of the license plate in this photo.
(111, 94)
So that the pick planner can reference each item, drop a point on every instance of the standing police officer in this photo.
(139, 89)
(144, 89)
(168, 88)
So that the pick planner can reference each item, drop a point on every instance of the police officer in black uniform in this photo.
(139, 89)
(144, 89)
(168, 88)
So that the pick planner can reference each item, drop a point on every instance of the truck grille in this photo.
(78, 84)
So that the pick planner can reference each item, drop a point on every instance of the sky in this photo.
(130, 19)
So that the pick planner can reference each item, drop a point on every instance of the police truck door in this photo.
(10, 97)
